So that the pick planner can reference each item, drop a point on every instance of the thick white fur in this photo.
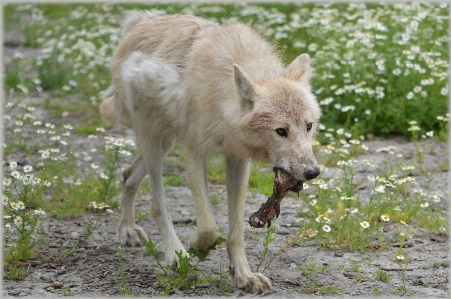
(219, 90)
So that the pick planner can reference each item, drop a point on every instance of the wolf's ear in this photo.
(299, 69)
(244, 85)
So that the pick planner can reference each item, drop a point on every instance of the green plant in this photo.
(311, 287)
(214, 200)
(20, 219)
(66, 290)
(185, 273)
(93, 224)
(123, 286)
(382, 275)
(376, 292)
(140, 215)
(269, 238)
(309, 269)
(114, 147)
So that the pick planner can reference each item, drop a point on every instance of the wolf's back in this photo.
(164, 39)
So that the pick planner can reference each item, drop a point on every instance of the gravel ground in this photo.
(93, 270)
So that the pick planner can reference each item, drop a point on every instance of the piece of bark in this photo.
(283, 182)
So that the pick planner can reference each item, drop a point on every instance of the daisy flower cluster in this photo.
(63, 168)
(19, 186)
(100, 206)
(359, 52)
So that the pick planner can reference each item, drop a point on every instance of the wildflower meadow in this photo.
(373, 223)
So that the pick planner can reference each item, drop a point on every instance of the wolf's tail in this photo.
(133, 17)
(108, 108)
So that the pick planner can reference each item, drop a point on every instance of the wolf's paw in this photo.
(172, 259)
(203, 242)
(132, 235)
(250, 282)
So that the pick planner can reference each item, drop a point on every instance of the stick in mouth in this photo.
(283, 182)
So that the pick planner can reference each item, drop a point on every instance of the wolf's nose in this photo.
(312, 173)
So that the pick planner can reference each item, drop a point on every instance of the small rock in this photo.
(74, 235)
(35, 263)
(57, 285)
(14, 292)
(438, 239)
(282, 231)
(404, 244)
(11, 43)
(178, 292)
(385, 268)
(338, 254)
(61, 272)
(349, 274)
(182, 220)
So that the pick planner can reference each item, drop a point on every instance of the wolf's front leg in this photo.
(237, 170)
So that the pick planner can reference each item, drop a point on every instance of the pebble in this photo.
(338, 254)
(35, 263)
(282, 231)
(57, 285)
(14, 292)
(349, 274)
(404, 244)
(74, 235)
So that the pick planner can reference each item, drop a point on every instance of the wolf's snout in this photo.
(312, 173)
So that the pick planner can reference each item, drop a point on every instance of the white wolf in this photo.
(219, 90)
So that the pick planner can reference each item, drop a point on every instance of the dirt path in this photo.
(93, 270)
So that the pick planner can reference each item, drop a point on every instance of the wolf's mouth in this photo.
(287, 181)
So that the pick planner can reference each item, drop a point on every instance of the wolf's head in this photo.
(280, 118)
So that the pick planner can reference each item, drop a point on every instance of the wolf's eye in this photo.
(309, 126)
(282, 132)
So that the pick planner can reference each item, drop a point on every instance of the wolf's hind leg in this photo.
(207, 232)
(129, 233)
